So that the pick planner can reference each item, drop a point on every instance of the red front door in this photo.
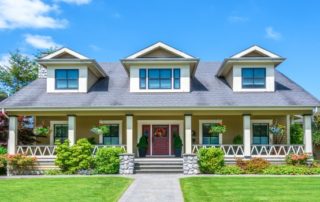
(160, 139)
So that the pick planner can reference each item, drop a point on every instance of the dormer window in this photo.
(253, 77)
(67, 78)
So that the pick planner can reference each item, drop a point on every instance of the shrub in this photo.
(63, 157)
(253, 166)
(211, 160)
(230, 170)
(19, 164)
(238, 139)
(3, 150)
(53, 172)
(291, 170)
(3, 164)
(107, 160)
(296, 133)
(297, 159)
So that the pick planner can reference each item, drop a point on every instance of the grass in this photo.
(63, 189)
(251, 188)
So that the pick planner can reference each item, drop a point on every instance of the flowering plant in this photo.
(20, 163)
(218, 128)
(297, 159)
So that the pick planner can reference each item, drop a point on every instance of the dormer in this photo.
(251, 70)
(160, 68)
(69, 71)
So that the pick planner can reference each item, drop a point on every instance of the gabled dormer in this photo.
(251, 70)
(160, 68)
(69, 71)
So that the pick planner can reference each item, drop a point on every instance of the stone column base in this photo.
(190, 164)
(126, 164)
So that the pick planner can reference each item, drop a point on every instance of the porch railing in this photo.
(276, 150)
(230, 150)
(50, 150)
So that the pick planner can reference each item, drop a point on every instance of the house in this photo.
(160, 91)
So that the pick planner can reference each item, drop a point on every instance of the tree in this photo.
(19, 73)
(316, 130)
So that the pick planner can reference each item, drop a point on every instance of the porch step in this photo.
(158, 165)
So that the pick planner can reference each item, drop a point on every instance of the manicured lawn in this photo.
(63, 189)
(251, 188)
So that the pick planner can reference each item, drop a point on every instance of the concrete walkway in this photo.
(154, 187)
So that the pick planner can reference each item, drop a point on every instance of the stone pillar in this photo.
(13, 135)
(72, 129)
(129, 133)
(247, 135)
(307, 121)
(288, 128)
(190, 164)
(188, 133)
(126, 164)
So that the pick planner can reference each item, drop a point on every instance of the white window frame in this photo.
(268, 121)
(52, 123)
(106, 122)
(201, 122)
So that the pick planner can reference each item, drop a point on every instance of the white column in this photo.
(129, 133)
(307, 119)
(72, 129)
(13, 134)
(288, 128)
(188, 133)
(247, 135)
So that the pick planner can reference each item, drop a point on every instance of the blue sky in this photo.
(211, 30)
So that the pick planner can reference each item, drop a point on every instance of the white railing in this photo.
(37, 150)
(97, 147)
(230, 150)
(276, 150)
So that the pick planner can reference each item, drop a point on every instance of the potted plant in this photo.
(218, 128)
(143, 146)
(41, 131)
(177, 144)
(100, 130)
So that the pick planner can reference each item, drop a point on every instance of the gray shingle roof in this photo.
(206, 90)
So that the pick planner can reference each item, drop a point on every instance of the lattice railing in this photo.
(37, 150)
(276, 150)
(230, 150)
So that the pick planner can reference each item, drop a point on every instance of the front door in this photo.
(160, 140)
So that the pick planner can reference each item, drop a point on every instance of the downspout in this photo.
(4, 113)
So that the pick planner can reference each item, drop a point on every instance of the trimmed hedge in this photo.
(107, 160)
(210, 160)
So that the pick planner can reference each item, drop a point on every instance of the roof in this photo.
(207, 90)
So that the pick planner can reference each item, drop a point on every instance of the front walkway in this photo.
(154, 187)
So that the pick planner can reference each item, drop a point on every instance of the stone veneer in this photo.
(126, 164)
(190, 164)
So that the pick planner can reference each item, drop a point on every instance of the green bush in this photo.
(291, 170)
(107, 160)
(75, 158)
(211, 160)
(253, 166)
(296, 133)
(230, 170)
(3, 164)
(3, 150)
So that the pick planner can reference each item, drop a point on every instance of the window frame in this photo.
(66, 79)
(176, 79)
(111, 122)
(52, 127)
(159, 79)
(269, 123)
(253, 85)
(143, 79)
(201, 122)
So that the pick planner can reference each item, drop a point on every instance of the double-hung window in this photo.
(113, 137)
(260, 133)
(159, 78)
(207, 137)
(67, 78)
(60, 132)
(253, 77)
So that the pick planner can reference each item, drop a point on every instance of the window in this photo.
(253, 77)
(143, 77)
(260, 133)
(113, 137)
(67, 78)
(60, 132)
(176, 78)
(159, 78)
(207, 137)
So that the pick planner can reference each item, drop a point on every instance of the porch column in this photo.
(72, 129)
(288, 128)
(247, 135)
(129, 133)
(188, 133)
(307, 119)
(13, 134)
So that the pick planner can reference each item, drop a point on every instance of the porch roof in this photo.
(207, 90)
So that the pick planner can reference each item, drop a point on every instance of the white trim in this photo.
(268, 121)
(106, 122)
(288, 117)
(201, 122)
(52, 123)
(258, 49)
(64, 50)
(161, 122)
(159, 45)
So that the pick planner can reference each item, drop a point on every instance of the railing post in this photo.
(307, 119)
(13, 134)
(247, 135)
(129, 133)
(188, 133)
(72, 129)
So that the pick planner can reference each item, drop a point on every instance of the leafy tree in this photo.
(316, 130)
(42, 53)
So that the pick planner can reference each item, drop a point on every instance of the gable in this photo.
(64, 53)
(65, 56)
(255, 51)
(160, 53)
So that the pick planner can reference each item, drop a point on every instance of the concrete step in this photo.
(159, 165)
(153, 171)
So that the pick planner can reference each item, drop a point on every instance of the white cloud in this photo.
(272, 34)
(4, 60)
(28, 14)
(94, 47)
(77, 2)
(41, 42)
(235, 19)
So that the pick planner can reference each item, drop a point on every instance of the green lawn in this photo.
(251, 188)
(63, 189)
